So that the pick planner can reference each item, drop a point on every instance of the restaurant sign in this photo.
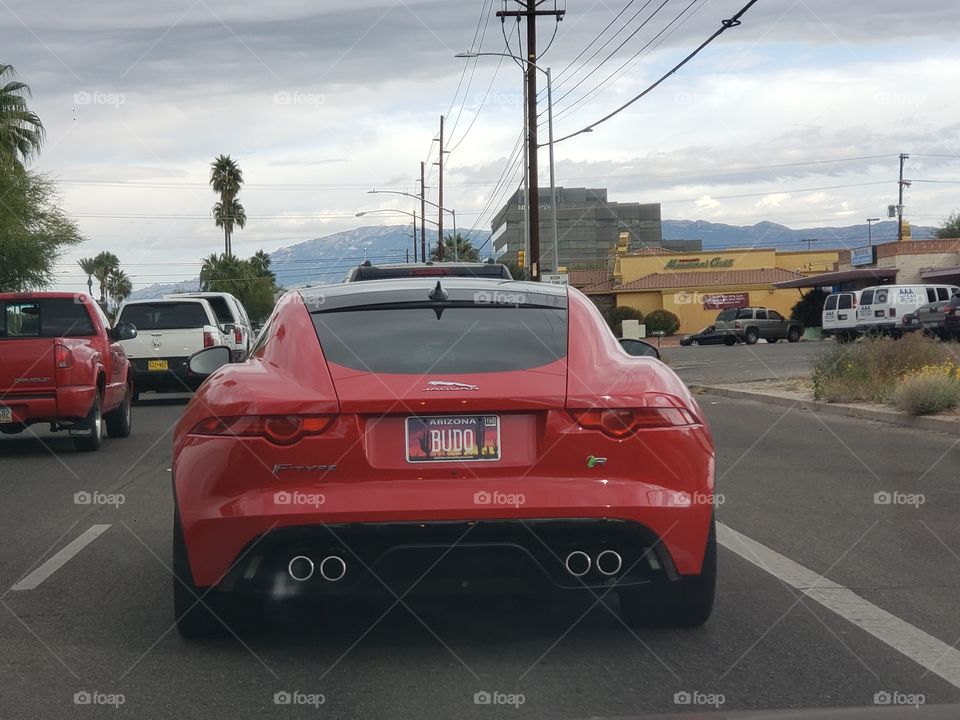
(698, 264)
(725, 301)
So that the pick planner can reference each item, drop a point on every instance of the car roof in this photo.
(200, 294)
(166, 300)
(368, 271)
(42, 295)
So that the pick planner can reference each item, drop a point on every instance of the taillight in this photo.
(893, 312)
(237, 335)
(278, 429)
(208, 340)
(736, 325)
(621, 422)
(62, 357)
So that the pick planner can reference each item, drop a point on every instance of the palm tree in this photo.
(88, 265)
(21, 132)
(465, 251)
(226, 179)
(119, 286)
(106, 262)
(233, 215)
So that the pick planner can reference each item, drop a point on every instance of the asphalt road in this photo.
(803, 487)
(721, 364)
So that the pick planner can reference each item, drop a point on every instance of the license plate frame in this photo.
(157, 365)
(6, 415)
(486, 439)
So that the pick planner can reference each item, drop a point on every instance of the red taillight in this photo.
(237, 335)
(621, 422)
(208, 340)
(278, 429)
(62, 357)
(893, 312)
(736, 325)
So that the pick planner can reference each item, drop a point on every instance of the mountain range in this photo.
(327, 259)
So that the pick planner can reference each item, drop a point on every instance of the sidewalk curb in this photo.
(950, 427)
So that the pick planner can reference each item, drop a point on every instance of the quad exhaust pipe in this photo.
(332, 568)
(607, 562)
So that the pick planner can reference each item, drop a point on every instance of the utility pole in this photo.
(414, 237)
(423, 216)
(903, 183)
(528, 10)
(440, 199)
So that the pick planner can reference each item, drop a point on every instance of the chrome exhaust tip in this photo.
(609, 562)
(333, 568)
(578, 563)
(300, 568)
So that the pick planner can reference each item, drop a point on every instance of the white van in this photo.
(840, 315)
(882, 307)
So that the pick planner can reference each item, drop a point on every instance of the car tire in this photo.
(793, 335)
(120, 421)
(191, 604)
(730, 341)
(751, 336)
(694, 342)
(136, 394)
(772, 340)
(687, 602)
(94, 425)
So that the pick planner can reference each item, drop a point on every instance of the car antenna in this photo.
(438, 294)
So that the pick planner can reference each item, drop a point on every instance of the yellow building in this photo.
(696, 286)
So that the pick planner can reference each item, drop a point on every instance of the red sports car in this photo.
(411, 435)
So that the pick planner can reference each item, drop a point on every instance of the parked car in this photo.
(940, 319)
(169, 332)
(839, 318)
(708, 336)
(882, 307)
(231, 317)
(757, 323)
(368, 271)
(408, 433)
(61, 363)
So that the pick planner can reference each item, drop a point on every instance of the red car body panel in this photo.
(226, 487)
(60, 394)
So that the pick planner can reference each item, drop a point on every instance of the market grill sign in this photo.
(725, 301)
(698, 264)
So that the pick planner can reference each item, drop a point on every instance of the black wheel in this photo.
(120, 421)
(687, 602)
(195, 618)
(136, 394)
(751, 336)
(92, 427)
(730, 341)
(793, 335)
(772, 340)
(694, 342)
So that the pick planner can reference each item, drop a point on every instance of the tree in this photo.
(251, 281)
(809, 310)
(950, 227)
(21, 132)
(88, 265)
(119, 286)
(662, 321)
(34, 230)
(456, 246)
(617, 315)
(104, 264)
(226, 178)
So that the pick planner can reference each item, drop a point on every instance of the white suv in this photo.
(231, 318)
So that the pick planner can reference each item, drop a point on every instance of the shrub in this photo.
(617, 315)
(809, 310)
(662, 321)
(930, 389)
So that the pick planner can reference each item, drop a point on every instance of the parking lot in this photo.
(802, 507)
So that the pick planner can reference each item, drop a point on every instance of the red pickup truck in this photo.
(61, 363)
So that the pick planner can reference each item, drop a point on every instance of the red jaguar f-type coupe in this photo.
(441, 436)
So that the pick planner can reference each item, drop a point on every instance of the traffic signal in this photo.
(522, 258)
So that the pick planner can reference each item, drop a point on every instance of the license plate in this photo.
(6, 415)
(154, 365)
(453, 438)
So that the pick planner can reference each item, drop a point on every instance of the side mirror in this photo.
(205, 362)
(639, 348)
(124, 331)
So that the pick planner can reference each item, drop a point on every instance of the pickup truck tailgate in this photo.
(26, 366)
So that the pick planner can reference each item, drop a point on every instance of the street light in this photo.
(456, 253)
(553, 185)
(870, 222)
(404, 212)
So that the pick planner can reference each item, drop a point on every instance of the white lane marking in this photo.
(60, 559)
(921, 647)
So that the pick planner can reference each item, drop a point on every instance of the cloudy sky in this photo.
(797, 116)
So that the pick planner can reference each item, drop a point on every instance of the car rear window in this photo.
(846, 302)
(164, 316)
(831, 303)
(866, 298)
(51, 317)
(726, 315)
(422, 339)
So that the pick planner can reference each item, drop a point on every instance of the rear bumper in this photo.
(68, 404)
(177, 377)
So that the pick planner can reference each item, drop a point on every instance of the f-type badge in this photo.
(593, 461)
(277, 469)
